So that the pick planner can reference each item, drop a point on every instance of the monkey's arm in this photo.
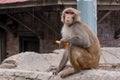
(80, 37)
(63, 61)
(78, 41)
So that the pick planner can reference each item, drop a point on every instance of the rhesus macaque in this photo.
(83, 45)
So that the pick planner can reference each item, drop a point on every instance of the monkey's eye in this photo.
(69, 12)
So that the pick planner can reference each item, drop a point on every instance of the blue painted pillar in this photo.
(88, 12)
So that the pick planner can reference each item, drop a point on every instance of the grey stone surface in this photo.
(34, 75)
(34, 66)
(15, 74)
(32, 61)
(110, 58)
(92, 75)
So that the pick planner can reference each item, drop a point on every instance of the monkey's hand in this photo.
(62, 41)
(61, 44)
(56, 72)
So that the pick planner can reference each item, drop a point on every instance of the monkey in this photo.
(83, 49)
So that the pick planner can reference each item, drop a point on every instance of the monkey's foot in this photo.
(67, 72)
(63, 75)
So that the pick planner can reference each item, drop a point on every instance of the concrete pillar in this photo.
(88, 10)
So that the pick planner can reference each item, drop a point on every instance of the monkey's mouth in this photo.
(68, 21)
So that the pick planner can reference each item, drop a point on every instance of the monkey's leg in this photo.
(75, 65)
(68, 72)
(84, 59)
(78, 42)
(80, 59)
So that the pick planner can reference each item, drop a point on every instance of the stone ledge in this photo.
(33, 66)
(13, 74)
(93, 75)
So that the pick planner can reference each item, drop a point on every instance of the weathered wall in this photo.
(47, 44)
(107, 28)
(46, 33)
(44, 27)
(12, 44)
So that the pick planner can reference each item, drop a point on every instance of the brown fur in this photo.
(83, 49)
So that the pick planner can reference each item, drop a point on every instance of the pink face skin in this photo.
(69, 17)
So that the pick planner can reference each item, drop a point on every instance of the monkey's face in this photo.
(69, 17)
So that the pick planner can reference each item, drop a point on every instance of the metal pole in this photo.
(88, 12)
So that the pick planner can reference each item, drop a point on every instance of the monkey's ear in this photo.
(77, 16)
(62, 17)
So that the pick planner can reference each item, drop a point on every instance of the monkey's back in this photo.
(95, 48)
